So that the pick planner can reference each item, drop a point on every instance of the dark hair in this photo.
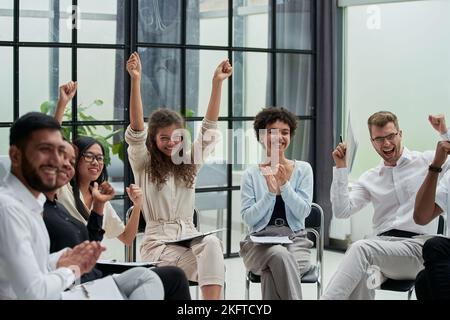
(23, 128)
(270, 115)
(82, 144)
(382, 118)
(160, 165)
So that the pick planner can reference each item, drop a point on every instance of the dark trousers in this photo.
(433, 282)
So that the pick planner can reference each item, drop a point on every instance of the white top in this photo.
(443, 198)
(391, 190)
(28, 271)
(112, 224)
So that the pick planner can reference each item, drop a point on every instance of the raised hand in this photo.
(135, 194)
(67, 91)
(223, 70)
(134, 66)
(438, 123)
(442, 152)
(339, 155)
(100, 195)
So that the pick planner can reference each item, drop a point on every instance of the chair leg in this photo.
(247, 289)
(319, 289)
(410, 291)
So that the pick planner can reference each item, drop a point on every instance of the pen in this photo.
(85, 291)
(340, 138)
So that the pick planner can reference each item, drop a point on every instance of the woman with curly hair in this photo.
(169, 186)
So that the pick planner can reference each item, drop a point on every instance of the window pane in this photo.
(207, 22)
(200, 67)
(218, 154)
(251, 90)
(6, 20)
(161, 79)
(238, 227)
(42, 70)
(159, 21)
(251, 23)
(5, 163)
(97, 71)
(45, 20)
(212, 175)
(212, 207)
(294, 24)
(6, 83)
(101, 21)
(295, 89)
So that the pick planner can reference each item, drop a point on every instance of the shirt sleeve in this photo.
(442, 193)
(137, 150)
(206, 141)
(299, 200)
(344, 202)
(21, 267)
(112, 224)
(253, 211)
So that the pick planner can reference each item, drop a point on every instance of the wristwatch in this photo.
(434, 168)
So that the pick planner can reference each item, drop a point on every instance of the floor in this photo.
(235, 281)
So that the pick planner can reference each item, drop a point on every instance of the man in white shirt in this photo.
(434, 281)
(391, 188)
(28, 271)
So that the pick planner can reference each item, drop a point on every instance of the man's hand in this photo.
(82, 257)
(438, 123)
(442, 151)
(134, 66)
(135, 195)
(223, 71)
(339, 155)
(67, 92)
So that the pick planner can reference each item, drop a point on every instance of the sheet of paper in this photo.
(352, 145)
(101, 289)
(271, 240)
(196, 236)
(131, 264)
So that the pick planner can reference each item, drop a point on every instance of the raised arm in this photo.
(66, 94)
(134, 68)
(222, 72)
(131, 228)
(425, 208)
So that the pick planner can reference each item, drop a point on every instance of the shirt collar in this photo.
(404, 158)
(23, 195)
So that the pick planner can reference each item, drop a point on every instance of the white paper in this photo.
(101, 289)
(271, 240)
(192, 237)
(352, 145)
(130, 264)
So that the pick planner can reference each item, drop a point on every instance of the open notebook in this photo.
(101, 289)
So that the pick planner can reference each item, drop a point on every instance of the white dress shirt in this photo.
(443, 198)
(28, 271)
(391, 190)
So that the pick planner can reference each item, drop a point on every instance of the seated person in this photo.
(391, 187)
(276, 198)
(29, 271)
(432, 200)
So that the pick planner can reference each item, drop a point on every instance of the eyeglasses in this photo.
(89, 157)
(380, 140)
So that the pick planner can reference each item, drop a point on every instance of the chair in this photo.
(130, 251)
(314, 228)
(408, 285)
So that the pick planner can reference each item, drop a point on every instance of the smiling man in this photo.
(391, 187)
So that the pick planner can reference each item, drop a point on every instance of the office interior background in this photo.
(333, 63)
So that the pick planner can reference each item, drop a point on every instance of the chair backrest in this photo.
(441, 225)
(315, 221)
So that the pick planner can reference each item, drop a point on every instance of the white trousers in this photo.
(369, 262)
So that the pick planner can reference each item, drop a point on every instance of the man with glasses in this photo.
(393, 252)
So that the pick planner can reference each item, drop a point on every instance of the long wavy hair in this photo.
(161, 166)
(81, 145)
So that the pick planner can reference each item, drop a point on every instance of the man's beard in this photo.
(33, 179)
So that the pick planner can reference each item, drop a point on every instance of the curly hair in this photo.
(160, 165)
(270, 115)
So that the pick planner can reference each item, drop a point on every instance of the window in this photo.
(269, 42)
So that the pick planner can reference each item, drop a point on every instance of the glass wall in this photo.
(269, 43)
